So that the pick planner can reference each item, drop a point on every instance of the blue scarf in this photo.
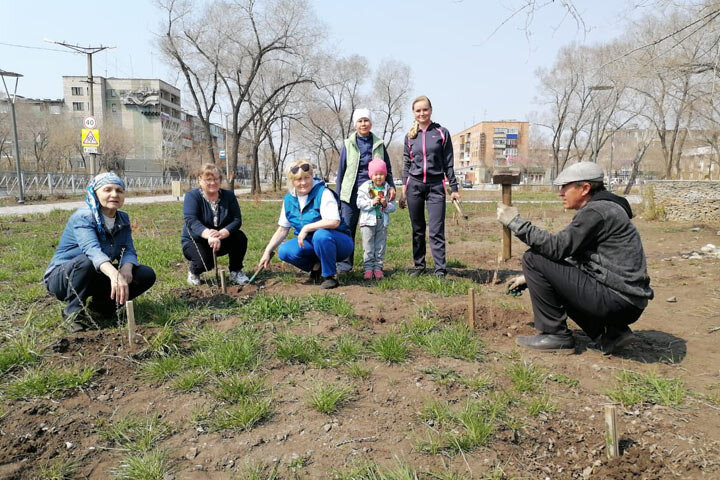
(91, 197)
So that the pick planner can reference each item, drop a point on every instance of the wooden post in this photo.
(507, 180)
(471, 309)
(217, 274)
(131, 322)
(223, 289)
(611, 435)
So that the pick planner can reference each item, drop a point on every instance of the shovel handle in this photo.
(456, 203)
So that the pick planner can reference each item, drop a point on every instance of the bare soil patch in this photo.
(381, 422)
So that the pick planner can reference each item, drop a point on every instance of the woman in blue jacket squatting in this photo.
(311, 209)
(96, 256)
(212, 225)
(427, 162)
(358, 149)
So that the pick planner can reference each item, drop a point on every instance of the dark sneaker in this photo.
(329, 282)
(440, 274)
(417, 271)
(547, 342)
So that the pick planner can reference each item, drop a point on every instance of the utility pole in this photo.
(89, 51)
(16, 145)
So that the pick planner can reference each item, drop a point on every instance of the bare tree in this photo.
(390, 95)
(192, 45)
(263, 38)
(668, 87)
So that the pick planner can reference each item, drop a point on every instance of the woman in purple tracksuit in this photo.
(428, 161)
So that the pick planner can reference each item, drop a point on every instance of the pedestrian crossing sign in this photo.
(90, 137)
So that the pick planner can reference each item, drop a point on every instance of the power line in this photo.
(35, 48)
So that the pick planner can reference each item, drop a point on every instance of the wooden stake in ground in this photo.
(223, 288)
(507, 180)
(471, 309)
(217, 275)
(129, 308)
(611, 436)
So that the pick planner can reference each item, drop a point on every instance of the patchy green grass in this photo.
(58, 469)
(478, 383)
(358, 372)
(367, 470)
(48, 381)
(425, 283)
(20, 349)
(330, 303)
(293, 348)
(166, 340)
(436, 411)
(539, 405)
(236, 388)
(563, 379)
(328, 397)
(455, 341)
(441, 376)
(525, 376)
(224, 353)
(161, 368)
(242, 416)
(136, 433)
(390, 348)
(153, 465)
(348, 348)
(189, 381)
(633, 388)
(266, 307)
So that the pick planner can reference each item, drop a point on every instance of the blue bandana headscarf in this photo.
(91, 197)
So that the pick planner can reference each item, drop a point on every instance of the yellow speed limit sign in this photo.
(90, 137)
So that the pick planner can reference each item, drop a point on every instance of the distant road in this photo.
(49, 207)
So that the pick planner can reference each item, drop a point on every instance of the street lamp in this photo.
(11, 101)
(596, 88)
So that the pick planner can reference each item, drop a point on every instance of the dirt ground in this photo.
(381, 423)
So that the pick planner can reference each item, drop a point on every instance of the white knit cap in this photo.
(361, 113)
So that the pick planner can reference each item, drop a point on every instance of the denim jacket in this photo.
(81, 236)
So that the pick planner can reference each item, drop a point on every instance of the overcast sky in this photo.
(469, 73)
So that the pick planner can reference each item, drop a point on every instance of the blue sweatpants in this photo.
(324, 246)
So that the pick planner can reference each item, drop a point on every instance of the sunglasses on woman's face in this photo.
(305, 168)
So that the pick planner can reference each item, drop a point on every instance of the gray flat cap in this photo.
(580, 172)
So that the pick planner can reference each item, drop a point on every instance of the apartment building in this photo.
(486, 145)
(146, 111)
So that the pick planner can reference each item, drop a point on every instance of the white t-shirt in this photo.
(328, 208)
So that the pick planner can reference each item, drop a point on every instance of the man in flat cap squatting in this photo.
(593, 271)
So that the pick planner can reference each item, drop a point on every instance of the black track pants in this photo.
(418, 196)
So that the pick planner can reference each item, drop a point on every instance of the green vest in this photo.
(352, 163)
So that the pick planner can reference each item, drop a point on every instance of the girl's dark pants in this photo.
(418, 196)
(200, 254)
(74, 281)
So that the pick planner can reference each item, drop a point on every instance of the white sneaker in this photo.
(239, 278)
(193, 279)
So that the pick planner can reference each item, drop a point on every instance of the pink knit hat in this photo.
(377, 165)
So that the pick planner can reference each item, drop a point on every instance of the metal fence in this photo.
(75, 183)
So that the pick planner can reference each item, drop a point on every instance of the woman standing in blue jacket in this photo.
(96, 256)
(427, 163)
(311, 210)
(212, 225)
(358, 149)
